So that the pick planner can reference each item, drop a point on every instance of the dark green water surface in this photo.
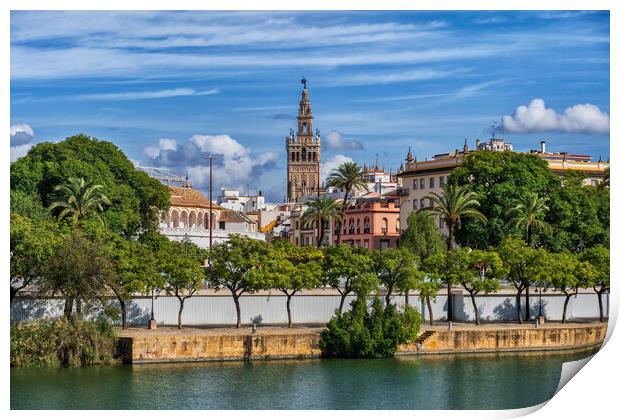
(487, 381)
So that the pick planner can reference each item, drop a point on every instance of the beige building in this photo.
(419, 179)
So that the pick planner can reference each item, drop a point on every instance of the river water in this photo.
(483, 381)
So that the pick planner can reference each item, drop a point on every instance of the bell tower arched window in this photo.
(303, 154)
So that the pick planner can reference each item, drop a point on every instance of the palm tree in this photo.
(348, 176)
(454, 203)
(528, 214)
(77, 199)
(320, 210)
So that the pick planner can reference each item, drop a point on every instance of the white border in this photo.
(591, 394)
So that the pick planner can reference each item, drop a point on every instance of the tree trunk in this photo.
(449, 244)
(473, 302)
(123, 306)
(345, 201)
(319, 239)
(123, 314)
(238, 308)
(527, 303)
(343, 296)
(388, 296)
(407, 298)
(13, 293)
(181, 304)
(565, 307)
(288, 310)
(430, 310)
(78, 308)
(600, 304)
(68, 311)
(518, 305)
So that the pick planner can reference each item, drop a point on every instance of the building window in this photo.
(421, 203)
(384, 226)
(441, 223)
(414, 204)
(358, 227)
(384, 244)
(366, 225)
(351, 227)
(441, 181)
(421, 183)
(415, 184)
(431, 182)
(222, 225)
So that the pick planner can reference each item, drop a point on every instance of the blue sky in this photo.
(169, 87)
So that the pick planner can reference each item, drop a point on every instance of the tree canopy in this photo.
(499, 179)
(135, 197)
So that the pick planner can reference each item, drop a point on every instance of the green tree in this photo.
(455, 203)
(136, 272)
(79, 271)
(598, 257)
(422, 237)
(181, 266)
(32, 246)
(428, 291)
(137, 198)
(528, 215)
(500, 179)
(478, 271)
(347, 176)
(231, 265)
(397, 270)
(319, 212)
(77, 200)
(567, 274)
(292, 269)
(579, 216)
(349, 270)
(520, 262)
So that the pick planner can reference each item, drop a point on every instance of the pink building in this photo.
(373, 222)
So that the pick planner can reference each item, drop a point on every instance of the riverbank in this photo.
(139, 345)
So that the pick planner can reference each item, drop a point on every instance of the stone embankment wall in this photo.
(144, 346)
(180, 348)
(509, 339)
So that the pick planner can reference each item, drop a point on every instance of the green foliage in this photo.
(349, 270)
(347, 176)
(527, 216)
(135, 197)
(77, 200)
(422, 237)
(62, 343)
(397, 270)
(499, 179)
(32, 247)
(455, 203)
(79, 270)
(319, 211)
(598, 257)
(360, 333)
(579, 216)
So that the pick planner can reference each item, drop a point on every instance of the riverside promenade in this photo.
(140, 345)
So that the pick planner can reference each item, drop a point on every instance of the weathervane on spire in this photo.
(304, 82)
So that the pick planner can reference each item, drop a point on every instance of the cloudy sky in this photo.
(169, 87)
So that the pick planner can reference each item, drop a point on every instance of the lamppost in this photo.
(540, 289)
(210, 158)
(152, 321)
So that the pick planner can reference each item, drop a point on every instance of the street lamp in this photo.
(152, 321)
(540, 289)
(210, 158)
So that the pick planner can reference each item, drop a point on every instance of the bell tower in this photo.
(303, 151)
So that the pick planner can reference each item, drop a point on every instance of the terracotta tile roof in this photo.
(187, 197)
(234, 216)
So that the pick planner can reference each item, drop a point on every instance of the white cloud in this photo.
(157, 94)
(332, 163)
(385, 78)
(235, 164)
(336, 141)
(536, 117)
(21, 140)
(21, 134)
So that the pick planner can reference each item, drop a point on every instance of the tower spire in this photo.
(409, 156)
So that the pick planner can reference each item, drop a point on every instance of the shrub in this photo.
(62, 343)
(361, 333)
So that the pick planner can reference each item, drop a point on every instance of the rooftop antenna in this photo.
(493, 124)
